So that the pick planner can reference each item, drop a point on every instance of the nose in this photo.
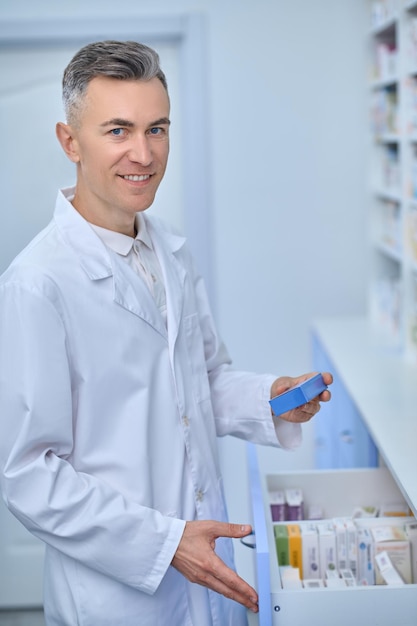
(140, 151)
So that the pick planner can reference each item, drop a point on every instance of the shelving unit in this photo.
(393, 153)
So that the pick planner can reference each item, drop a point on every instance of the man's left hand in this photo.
(305, 412)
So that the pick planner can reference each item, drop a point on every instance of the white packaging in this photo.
(327, 547)
(348, 577)
(341, 542)
(365, 511)
(295, 504)
(411, 532)
(288, 571)
(335, 583)
(393, 540)
(310, 550)
(313, 584)
(291, 584)
(366, 570)
(386, 569)
(396, 509)
(290, 577)
(352, 546)
(332, 573)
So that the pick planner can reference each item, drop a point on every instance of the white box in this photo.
(411, 531)
(352, 546)
(348, 577)
(327, 547)
(313, 583)
(290, 577)
(338, 492)
(366, 567)
(394, 541)
(339, 525)
(335, 583)
(310, 550)
(388, 572)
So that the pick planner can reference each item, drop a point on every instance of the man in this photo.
(114, 383)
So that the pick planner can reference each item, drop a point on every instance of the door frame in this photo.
(188, 32)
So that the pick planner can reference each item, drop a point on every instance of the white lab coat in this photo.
(108, 418)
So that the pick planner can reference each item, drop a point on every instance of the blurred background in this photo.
(268, 169)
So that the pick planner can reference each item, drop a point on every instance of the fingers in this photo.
(309, 410)
(225, 529)
(305, 412)
(218, 577)
(327, 377)
(196, 560)
(284, 383)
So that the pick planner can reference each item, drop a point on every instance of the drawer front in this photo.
(371, 606)
(361, 606)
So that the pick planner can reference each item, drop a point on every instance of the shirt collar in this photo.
(120, 243)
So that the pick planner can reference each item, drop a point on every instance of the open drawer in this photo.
(339, 492)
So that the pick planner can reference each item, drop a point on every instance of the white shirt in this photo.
(139, 253)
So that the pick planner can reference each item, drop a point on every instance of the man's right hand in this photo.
(196, 559)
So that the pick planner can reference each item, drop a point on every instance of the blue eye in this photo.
(156, 131)
(117, 132)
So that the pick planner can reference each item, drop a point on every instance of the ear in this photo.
(68, 141)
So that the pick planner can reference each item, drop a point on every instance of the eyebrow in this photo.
(118, 121)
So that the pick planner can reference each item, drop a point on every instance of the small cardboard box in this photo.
(327, 547)
(339, 525)
(366, 568)
(310, 550)
(393, 540)
(278, 506)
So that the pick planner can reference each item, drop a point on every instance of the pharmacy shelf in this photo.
(388, 194)
(393, 165)
(388, 251)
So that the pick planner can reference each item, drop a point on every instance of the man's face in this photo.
(120, 145)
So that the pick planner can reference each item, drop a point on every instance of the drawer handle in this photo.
(249, 541)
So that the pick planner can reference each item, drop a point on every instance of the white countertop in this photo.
(384, 388)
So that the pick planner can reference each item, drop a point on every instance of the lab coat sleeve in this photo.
(74, 512)
(240, 399)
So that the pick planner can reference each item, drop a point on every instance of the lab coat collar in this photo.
(78, 234)
(98, 263)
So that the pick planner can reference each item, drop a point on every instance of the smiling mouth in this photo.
(137, 179)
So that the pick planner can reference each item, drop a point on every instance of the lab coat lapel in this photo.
(132, 294)
(98, 262)
(166, 245)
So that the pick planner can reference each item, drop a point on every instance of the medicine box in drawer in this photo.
(337, 493)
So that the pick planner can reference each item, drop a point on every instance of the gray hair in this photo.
(124, 60)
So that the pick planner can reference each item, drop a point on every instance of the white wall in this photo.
(288, 170)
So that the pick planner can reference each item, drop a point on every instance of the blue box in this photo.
(298, 395)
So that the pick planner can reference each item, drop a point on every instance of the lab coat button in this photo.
(199, 495)
(185, 420)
